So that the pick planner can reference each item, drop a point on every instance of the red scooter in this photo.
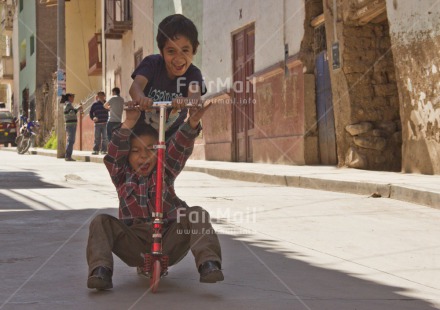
(156, 263)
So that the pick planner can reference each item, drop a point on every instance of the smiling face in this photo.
(178, 55)
(142, 155)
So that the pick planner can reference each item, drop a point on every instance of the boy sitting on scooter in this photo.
(131, 162)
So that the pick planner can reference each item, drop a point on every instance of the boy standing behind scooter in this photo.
(167, 75)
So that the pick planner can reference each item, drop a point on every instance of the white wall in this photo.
(415, 38)
(222, 18)
(120, 53)
(414, 20)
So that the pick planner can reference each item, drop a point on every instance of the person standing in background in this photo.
(71, 119)
(116, 106)
(99, 115)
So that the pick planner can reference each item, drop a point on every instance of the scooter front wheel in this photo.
(155, 276)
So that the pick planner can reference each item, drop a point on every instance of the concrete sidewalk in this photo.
(282, 247)
(416, 188)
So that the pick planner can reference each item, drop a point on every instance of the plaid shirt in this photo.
(137, 193)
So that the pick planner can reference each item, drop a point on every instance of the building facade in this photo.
(337, 82)
(128, 39)
(384, 88)
(84, 61)
(7, 11)
(26, 55)
(264, 102)
(348, 83)
(415, 44)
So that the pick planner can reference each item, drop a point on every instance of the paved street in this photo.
(283, 247)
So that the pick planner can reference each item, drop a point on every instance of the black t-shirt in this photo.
(161, 88)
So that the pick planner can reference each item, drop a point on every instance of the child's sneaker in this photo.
(101, 279)
(210, 272)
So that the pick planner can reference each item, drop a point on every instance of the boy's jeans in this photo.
(107, 234)
(71, 134)
(100, 143)
(110, 127)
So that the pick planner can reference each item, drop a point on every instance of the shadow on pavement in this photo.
(23, 180)
(43, 266)
(12, 184)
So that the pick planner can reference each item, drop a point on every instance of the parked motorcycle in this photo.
(28, 131)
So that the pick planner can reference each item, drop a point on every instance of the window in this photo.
(23, 54)
(32, 45)
(138, 57)
(118, 77)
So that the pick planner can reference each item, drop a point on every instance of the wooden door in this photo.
(243, 96)
(325, 114)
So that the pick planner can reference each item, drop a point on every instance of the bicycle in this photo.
(28, 131)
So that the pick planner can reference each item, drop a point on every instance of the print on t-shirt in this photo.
(162, 95)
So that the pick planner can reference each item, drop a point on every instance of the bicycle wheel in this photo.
(26, 144)
(155, 276)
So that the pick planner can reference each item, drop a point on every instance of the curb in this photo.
(397, 192)
(85, 158)
(385, 190)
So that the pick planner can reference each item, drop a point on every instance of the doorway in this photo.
(243, 95)
(325, 114)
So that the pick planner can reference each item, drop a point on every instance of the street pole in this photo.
(61, 68)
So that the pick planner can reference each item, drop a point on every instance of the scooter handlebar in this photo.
(169, 104)
(158, 104)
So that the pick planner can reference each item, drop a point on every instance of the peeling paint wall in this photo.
(415, 37)
(279, 120)
(270, 34)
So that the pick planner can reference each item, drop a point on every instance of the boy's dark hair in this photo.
(143, 129)
(116, 90)
(174, 25)
(100, 93)
(65, 97)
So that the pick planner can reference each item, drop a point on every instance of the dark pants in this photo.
(100, 143)
(110, 127)
(194, 232)
(71, 134)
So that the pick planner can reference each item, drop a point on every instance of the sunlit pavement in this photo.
(283, 247)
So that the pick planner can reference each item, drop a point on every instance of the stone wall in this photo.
(374, 133)
(365, 97)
